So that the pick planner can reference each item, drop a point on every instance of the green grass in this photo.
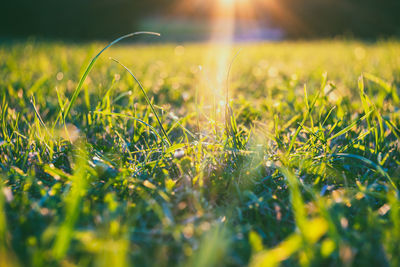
(301, 168)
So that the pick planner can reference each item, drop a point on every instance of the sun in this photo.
(237, 3)
(234, 1)
(228, 2)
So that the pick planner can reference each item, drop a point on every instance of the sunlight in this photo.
(234, 2)
(228, 2)
(228, 22)
(219, 52)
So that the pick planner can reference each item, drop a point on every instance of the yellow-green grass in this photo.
(300, 168)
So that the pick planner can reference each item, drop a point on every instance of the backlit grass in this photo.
(301, 167)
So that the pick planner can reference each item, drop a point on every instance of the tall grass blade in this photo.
(90, 66)
(147, 100)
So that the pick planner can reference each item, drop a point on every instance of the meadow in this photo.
(300, 167)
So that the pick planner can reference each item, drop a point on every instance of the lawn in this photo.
(300, 168)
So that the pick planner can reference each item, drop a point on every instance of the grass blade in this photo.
(348, 128)
(90, 66)
(147, 100)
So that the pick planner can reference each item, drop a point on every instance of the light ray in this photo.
(226, 18)
(219, 51)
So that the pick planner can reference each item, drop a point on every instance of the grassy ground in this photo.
(302, 167)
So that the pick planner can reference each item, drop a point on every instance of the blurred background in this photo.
(192, 20)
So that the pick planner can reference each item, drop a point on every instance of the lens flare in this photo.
(229, 21)
(218, 56)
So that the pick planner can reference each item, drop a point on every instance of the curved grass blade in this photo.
(90, 66)
(147, 100)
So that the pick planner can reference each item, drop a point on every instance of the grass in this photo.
(301, 167)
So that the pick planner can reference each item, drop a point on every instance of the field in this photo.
(300, 167)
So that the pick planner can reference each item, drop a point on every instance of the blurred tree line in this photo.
(88, 19)
(325, 18)
(75, 19)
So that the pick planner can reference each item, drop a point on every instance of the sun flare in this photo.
(228, 2)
